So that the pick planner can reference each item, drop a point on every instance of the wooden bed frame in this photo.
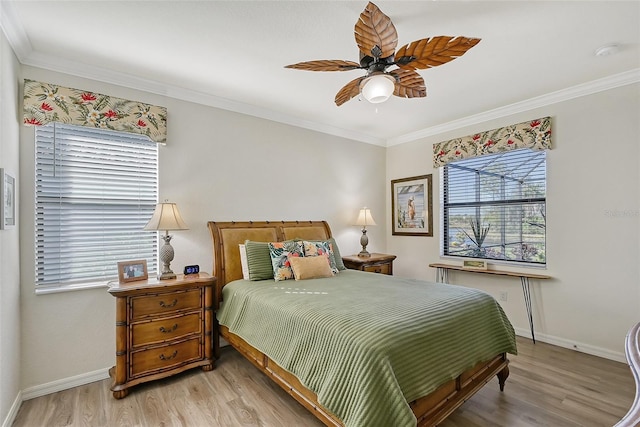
(429, 410)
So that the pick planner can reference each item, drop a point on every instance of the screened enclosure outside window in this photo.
(494, 207)
(95, 191)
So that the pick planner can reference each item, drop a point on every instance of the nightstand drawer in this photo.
(149, 305)
(378, 268)
(142, 362)
(374, 263)
(165, 329)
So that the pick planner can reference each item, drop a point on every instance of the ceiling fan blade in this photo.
(375, 34)
(409, 84)
(325, 65)
(434, 51)
(350, 90)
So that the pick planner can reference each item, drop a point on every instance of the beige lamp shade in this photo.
(365, 218)
(166, 217)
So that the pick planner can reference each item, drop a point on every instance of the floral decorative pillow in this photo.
(279, 252)
(317, 248)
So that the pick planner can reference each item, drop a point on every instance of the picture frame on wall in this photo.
(131, 271)
(8, 197)
(412, 206)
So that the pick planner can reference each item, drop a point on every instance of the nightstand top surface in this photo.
(375, 257)
(154, 283)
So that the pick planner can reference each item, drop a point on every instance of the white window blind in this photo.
(494, 207)
(95, 191)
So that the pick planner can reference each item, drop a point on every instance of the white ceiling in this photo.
(231, 54)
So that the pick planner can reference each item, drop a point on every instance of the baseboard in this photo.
(573, 345)
(64, 384)
(101, 374)
(13, 411)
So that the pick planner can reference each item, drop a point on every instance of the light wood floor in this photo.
(548, 386)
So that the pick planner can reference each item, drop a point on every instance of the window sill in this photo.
(54, 289)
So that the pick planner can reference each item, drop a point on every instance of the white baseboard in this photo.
(13, 411)
(577, 346)
(101, 374)
(64, 384)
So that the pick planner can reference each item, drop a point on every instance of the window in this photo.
(95, 191)
(494, 207)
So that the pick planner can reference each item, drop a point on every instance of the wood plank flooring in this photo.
(548, 386)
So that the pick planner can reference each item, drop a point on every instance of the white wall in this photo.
(218, 165)
(593, 216)
(9, 238)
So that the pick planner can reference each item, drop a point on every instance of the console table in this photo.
(442, 276)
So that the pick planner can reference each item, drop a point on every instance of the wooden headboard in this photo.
(226, 236)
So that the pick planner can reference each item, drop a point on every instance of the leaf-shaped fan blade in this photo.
(409, 84)
(325, 65)
(434, 51)
(349, 91)
(374, 28)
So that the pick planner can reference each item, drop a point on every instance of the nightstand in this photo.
(376, 263)
(163, 327)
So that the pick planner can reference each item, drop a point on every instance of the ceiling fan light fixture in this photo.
(377, 88)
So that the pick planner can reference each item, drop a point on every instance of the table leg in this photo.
(526, 291)
(442, 275)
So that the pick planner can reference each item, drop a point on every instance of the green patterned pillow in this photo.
(258, 260)
(336, 254)
(280, 251)
(316, 248)
(337, 258)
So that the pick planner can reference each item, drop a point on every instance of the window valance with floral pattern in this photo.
(45, 103)
(534, 134)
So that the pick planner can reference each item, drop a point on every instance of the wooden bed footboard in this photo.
(429, 410)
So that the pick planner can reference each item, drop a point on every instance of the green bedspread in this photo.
(368, 343)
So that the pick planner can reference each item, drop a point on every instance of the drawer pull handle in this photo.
(163, 357)
(167, 331)
(164, 305)
(378, 270)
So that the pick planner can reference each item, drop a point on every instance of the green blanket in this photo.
(368, 343)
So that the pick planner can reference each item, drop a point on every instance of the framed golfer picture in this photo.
(411, 206)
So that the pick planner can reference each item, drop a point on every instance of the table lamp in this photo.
(364, 219)
(166, 217)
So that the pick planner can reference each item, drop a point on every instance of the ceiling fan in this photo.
(377, 39)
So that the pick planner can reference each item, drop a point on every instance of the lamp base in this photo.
(364, 241)
(166, 256)
(167, 276)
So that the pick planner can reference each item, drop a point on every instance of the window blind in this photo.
(95, 191)
(494, 207)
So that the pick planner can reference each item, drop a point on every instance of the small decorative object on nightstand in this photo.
(375, 263)
(162, 328)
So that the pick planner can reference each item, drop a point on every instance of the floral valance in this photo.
(45, 103)
(534, 134)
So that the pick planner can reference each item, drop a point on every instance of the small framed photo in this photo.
(474, 265)
(8, 197)
(411, 206)
(131, 271)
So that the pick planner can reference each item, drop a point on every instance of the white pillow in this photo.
(244, 263)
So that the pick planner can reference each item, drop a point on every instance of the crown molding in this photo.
(14, 31)
(19, 42)
(606, 83)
